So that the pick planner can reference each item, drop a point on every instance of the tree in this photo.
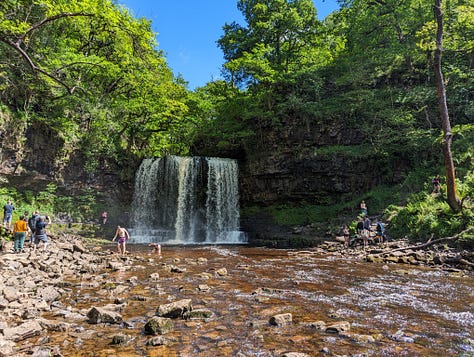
(452, 198)
(93, 74)
(281, 37)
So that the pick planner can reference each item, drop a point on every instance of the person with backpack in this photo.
(40, 232)
(8, 214)
(380, 232)
(32, 224)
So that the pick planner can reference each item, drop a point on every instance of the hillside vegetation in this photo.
(84, 88)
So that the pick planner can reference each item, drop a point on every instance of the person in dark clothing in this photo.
(435, 182)
(366, 231)
(8, 214)
(32, 225)
(40, 232)
(380, 232)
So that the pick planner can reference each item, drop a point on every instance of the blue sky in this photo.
(188, 30)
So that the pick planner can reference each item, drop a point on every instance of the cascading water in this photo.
(186, 200)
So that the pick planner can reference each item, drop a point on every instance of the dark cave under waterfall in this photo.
(186, 200)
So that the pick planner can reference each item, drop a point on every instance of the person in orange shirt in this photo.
(20, 230)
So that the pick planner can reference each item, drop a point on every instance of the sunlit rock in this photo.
(121, 339)
(221, 272)
(175, 309)
(99, 315)
(281, 319)
(341, 326)
(318, 325)
(158, 326)
(23, 331)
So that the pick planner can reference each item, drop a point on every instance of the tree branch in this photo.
(53, 18)
(430, 242)
(16, 45)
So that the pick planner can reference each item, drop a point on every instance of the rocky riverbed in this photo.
(78, 300)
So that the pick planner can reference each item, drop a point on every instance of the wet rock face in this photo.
(289, 165)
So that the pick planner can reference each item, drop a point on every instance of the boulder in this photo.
(281, 319)
(121, 339)
(175, 309)
(11, 293)
(341, 326)
(221, 272)
(49, 294)
(158, 325)
(99, 315)
(7, 348)
(23, 331)
(198, 314)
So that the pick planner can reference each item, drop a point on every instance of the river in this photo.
(393, 310)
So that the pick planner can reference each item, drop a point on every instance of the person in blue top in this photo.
(380, 232)
(8, 214)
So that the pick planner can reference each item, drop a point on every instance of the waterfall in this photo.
(186, 200)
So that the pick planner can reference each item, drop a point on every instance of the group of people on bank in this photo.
(33, 227)
(364, 230)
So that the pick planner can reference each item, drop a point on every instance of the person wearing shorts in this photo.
(40, 232)
(7, 214)
(122, 235)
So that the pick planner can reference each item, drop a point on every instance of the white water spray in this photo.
(186, 200)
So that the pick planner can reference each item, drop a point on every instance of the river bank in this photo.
(79, 300)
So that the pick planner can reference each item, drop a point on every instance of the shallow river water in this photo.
(408, 311)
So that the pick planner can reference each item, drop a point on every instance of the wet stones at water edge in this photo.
(281, 319)
(159, 326)
(175, 309)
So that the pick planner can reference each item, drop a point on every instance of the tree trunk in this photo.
(452, 198)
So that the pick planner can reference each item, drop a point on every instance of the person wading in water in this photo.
(122, 235)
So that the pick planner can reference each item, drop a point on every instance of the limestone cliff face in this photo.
(33, 155)
(311, 163)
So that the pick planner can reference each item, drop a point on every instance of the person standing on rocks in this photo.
(32, 224)
(8, 214)
(122, 235)
(363, 209)
(345, 233)
(40, 232)
(20, 230)
(366, 233)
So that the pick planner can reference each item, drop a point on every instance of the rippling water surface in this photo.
(409, 311)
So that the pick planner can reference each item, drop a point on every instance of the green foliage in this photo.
(92, 76)
(281, 36)
(424, 216)
(304, 214)
(92, 73)
(81, 208)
